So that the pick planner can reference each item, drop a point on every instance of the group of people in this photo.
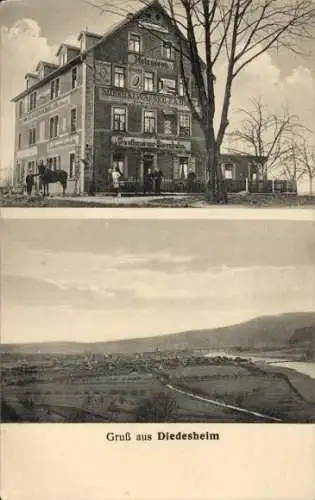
(152, 181)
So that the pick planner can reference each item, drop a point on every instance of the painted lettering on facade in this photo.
(53, 105)
(130, 97)
(139, 142)
(58, 143)
(149, 61)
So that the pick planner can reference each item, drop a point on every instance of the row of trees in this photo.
(282, 146)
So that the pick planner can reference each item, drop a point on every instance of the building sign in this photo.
(131, 97)
(52, 106)
(135, 78)
(25, 153)
(153, 26)
(150, 61)
(103, 73)
(151, 143)
(65, 141)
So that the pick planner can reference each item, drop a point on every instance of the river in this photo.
(307, 368)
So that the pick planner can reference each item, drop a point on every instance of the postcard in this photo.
(157, 251)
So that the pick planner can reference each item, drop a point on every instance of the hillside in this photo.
(271, 332)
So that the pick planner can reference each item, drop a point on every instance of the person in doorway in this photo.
(148, 181)
(115, 179)
(158, 176)
(191, 181)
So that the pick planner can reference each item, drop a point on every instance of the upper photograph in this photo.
(171, 103)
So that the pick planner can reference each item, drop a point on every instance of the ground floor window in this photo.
(71, 165)
(183, 167)
(53, 163)
(228, 170)
(119, 162)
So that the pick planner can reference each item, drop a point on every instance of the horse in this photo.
(48, 176)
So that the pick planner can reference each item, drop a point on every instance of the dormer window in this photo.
(62, 58)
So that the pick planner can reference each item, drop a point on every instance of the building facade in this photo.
(117, 101)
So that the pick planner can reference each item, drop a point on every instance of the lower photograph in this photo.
(157, 320)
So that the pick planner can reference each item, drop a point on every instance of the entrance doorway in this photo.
(148, 163)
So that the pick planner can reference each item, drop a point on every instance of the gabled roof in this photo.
(89, 33)
(45, 63)
(33, 75)
(68, 46)
(102, 38)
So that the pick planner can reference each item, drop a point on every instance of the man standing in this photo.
(191, 178)
(115, 178)
(29, 183)
(157, 175)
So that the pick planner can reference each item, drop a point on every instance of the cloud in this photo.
(22, 46)
(263, 78)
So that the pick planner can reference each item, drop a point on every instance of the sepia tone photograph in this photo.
(174, 103)
(157, 321)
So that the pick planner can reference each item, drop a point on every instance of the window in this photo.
(119, 119)
(149, 122)
(53, 163)
(42, 130)
(228, 170)
(119, 162)
(184, 125)
(148, 81)
(21, 108)
(73, 120)
(181, 88)
(19, 141)
(134, 43)
(71, 165)
(31, 136)
(74, 78)
(54, 88)
(54, 126)
(167, 127)
(167, 86)
(183, 167)
(119, 77)
(32, 104)
(167, 51)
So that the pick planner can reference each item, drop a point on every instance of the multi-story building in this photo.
(118, 100)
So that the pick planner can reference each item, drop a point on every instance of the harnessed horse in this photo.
(48, 176)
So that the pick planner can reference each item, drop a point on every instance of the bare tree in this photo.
(269, 137)
(307, 158)
(235, 32)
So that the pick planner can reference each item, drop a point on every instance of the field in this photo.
(152, 387)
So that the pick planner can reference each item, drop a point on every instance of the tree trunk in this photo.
(310, 185)
(216, 189)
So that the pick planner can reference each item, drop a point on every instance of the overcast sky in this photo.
(33, 29)
(94, 280)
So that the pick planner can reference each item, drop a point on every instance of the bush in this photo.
(159, 408)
